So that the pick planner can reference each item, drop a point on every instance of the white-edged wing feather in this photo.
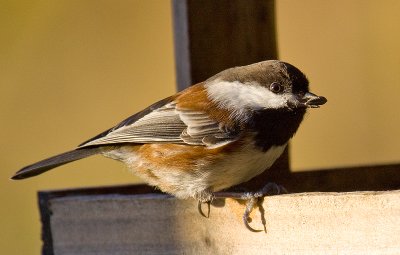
(168, 124)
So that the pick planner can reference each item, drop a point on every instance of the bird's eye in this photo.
(276, 87)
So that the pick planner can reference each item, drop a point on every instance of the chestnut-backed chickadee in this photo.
(209, 137)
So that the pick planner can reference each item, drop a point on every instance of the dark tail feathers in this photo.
(55, 161)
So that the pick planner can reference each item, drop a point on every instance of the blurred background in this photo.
(70, 69)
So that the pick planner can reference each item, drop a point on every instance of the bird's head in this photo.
(265, 85)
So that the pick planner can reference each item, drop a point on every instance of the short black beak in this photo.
(313, 101)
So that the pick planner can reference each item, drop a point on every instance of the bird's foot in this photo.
(205, 197)
(199, 207)
(253, 199)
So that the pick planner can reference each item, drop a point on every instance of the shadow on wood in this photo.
(141, 210)
(317, 223)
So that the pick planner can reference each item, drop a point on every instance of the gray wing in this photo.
(167, 124)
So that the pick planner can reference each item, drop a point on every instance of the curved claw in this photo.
(246, 224)
(246, 216)
(200, 209)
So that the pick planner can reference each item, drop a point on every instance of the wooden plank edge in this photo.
(283, 214)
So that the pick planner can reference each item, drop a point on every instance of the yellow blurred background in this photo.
(70, 69)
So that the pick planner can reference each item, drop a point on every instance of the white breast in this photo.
(207, 176)
(246, 164)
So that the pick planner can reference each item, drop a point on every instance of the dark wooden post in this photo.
(211, 36)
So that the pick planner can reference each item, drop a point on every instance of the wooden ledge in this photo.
(303, 223)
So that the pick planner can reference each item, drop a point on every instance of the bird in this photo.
(208, 137)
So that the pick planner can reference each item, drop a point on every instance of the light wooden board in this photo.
(305, 223)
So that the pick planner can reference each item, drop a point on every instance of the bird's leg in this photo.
(252, 199)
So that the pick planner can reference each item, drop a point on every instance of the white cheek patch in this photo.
(238, 97)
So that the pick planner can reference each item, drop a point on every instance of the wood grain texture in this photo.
(306, 223)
